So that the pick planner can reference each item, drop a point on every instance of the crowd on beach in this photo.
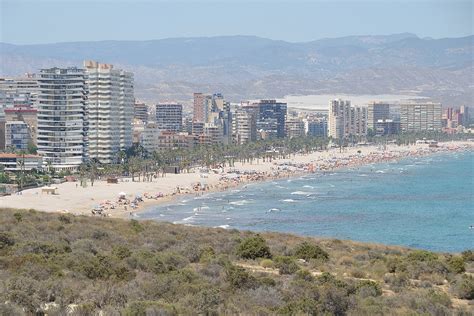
(198, 181)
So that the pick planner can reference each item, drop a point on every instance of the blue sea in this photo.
(425, 202)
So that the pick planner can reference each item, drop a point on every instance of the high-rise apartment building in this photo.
(17, 135)
(28, 115)
(169, 117)
(245, 124)
(466, 118)
(200, 107)
(358, 121)
(339, 118)
(21, 91)
(377, 111)
(415, 117)
(140, 111)
(317, 127)
(62, 117)
(271, 118)
(110, 106)
(295, 127)
(346, 120)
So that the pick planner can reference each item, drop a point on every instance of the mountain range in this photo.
(247, 67)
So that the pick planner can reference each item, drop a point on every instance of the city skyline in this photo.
(149, 20)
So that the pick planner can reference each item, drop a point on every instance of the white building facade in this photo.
(110, 105)
(62, 117)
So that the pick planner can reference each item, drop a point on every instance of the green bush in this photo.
(308, 251)
(370, 286)
(142, 308)
(6, 240)
(253, 248)
(422, 256)
(463, 287)
(207, 254)
(267, 263)
(136, 226)
(121, 251)
(304, 275)
(456, 264)
(468, 255)
(286, 265)
(238, 278)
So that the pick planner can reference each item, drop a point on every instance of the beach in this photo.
(127, 197)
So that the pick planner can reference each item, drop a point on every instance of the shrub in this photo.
(422, 255)
(304, 275)
(239, 278)
(207, 300)
(286, 265)
(141, 308)
(6, 240)
(253, 248)
(468, 255)
(136, 226)
(65, 219)
(359, 274)
(456, 264)
(121, 252)
(370, 288)
(308, 251)
(463, 287)
(207, 254)
(266, 263)
(18, 217)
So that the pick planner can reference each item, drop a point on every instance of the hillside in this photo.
(63, 264)
(251, 67)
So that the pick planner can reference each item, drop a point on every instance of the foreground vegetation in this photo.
(62, 264)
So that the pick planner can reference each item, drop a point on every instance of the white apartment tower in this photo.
(339, 118)
(62, 117)
(346, 120)
(110, 106)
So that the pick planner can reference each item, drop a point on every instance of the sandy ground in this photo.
(73, 198)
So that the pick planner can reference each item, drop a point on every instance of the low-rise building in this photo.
(17, 162)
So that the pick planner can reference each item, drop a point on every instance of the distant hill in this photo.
(250, 67)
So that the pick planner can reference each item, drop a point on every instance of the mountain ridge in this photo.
(247, 66)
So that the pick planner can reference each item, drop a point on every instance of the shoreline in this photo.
(81, 201)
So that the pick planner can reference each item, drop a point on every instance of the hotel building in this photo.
(62, 117)
(110, 106)
(169, 117)
(415, 117)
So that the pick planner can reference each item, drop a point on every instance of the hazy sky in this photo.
(46, 21)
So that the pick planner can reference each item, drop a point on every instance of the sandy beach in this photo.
(117, 200)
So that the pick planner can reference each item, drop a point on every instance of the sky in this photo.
(49, 21)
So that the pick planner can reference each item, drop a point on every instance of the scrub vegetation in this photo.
(59, 264)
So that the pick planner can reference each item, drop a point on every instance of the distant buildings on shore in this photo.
(74, 115)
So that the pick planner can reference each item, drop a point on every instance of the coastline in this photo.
(74, 199)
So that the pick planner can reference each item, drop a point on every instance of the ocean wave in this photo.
(240, 202)
(222, 226)
(187, 219)
(301, 193)
(308, 186)
(288, 201)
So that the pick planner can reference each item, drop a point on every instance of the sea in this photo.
(420, 202)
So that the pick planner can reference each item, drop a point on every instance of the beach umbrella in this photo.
(122, 194)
